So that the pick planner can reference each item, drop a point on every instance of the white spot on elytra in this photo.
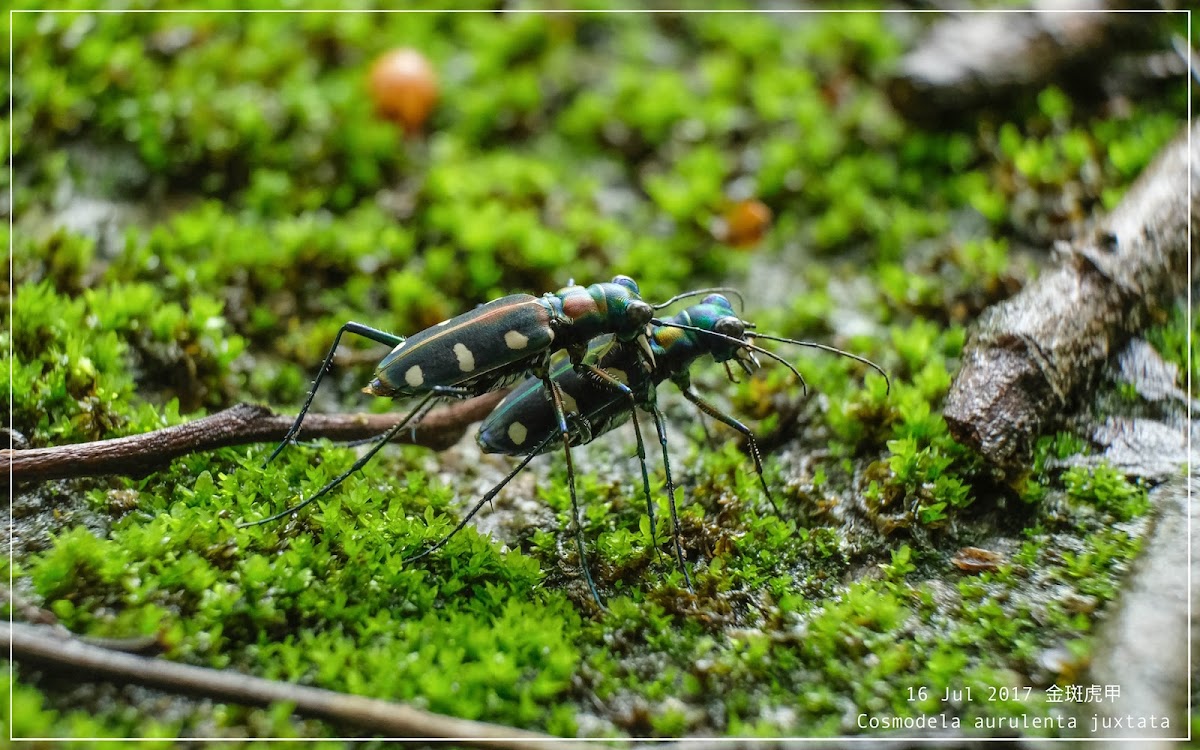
(444, 322)
(414, 376)
(466, 360)
(517, 433)
(516, 340)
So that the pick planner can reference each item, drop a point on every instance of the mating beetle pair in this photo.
(617, 354)
(490, 346)
(523, 423)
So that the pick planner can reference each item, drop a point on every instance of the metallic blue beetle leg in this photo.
(383, 440)
(560, 415)
(491, 494)
(720, 416)
(661, 426)
(374, 334)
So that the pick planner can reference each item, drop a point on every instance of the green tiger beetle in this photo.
(492, 346)
(525, 425)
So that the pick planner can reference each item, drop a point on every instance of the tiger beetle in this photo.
(492, 346)
(524, 425)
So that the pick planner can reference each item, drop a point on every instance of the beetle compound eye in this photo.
(717, 299)
(639, 312)
(628, 283)
(730, 326)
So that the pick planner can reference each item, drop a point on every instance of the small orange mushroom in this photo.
(744, 223)
(404, 88)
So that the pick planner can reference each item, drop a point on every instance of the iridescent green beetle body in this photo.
(525, 424)
(496, 343)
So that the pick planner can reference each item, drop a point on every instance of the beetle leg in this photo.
(347, 444)
(416, 421)
(661, 426)
(374, 334)
(485, 499)
(452, 391)
(581, 429)
(720, 416)
(361, 462)
(603, 377)
(708, 437)
(556, 398)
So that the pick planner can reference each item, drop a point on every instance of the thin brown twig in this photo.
(30, 612)
(238, 425)
(394, 720)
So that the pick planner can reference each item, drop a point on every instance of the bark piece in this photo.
(1029, 356)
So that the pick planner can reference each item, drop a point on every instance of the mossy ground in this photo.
(255, 204)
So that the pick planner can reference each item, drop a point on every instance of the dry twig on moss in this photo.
(47, 648)
(238, 425)
(1029, 356)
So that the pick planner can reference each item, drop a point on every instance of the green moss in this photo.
(1107, 490)
(1171, 340)
(1096, 156)
(77, 360)
(277, 601)
(31, 717)
(1058, 446)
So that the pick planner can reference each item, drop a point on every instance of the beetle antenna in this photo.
(827, 348)
(697, 292)
(741, 343)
